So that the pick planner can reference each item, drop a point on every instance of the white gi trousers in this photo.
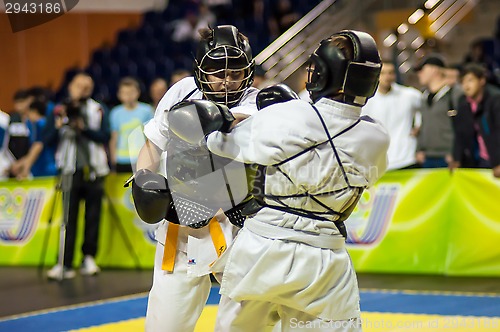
(269, 280)
(176, 298)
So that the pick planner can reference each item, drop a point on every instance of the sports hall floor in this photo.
(116, 300)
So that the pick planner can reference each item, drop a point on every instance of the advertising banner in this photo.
(411, 221)
(31, 221)
(400, 224)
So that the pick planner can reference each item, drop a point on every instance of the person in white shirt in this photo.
(397, 108)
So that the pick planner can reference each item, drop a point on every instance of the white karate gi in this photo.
(286, 265)
(177, 298)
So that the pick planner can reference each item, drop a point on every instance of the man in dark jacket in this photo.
(477, 123)
(435, 138)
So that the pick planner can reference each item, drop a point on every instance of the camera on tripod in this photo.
(70, 111)
(74, 111)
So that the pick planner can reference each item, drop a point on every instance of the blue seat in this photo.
(126, 36)
(137, 51)
(120, 52)
(128, 68)
(110, 71)
(101, 55)
(183, 62)
(101, 92)
(154, 49)
(153, 18)
(145, 33)
(164, 67)
(172, 12)
(95, 71)
(146, 68)
(181, 48)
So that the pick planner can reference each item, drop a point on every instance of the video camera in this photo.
(70, 111)
(73, 110)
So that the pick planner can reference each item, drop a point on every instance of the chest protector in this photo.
(260, 199)
(201, 183)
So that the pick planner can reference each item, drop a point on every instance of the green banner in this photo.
(31, 221)
(407, 213)
(474, 229)
(412, 221)
(428, 221)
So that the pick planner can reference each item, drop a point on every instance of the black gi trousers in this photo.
(92, 192)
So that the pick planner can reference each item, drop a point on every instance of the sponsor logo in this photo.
(20, 211)
(370, 220)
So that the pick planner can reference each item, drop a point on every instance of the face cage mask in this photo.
(227, 97)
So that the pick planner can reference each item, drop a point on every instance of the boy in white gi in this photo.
(181, 282)
(289, 261)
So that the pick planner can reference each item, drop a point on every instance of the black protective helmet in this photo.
(225, 49)
(333, 74)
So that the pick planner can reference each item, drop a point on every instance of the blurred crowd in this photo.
(450, 119)
(29, 142)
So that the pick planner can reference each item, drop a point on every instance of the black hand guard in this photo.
(151, 195)
(192, 120)
(274, 94)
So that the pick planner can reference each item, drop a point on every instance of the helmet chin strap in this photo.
(354, 100)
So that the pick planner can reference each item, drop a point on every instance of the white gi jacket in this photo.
(316, 275)
(199, 246)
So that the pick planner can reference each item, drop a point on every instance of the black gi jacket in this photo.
(487, 119)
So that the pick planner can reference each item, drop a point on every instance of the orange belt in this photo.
(170, 249)
(217, 235)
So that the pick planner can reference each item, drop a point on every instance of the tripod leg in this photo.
(124, 235)
(66, 184)
(46, 237)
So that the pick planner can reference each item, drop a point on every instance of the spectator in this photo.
(496, 48)
(397, 108)
(435, 137)
(5, 155)
(259, 78)
(156, 90)
(283, 16)
(40, 159)
(256, 17)
(196, 17)
(222, 9)
(80, 128)
(477, 54)
(178, 75)
(477, 123)
(19, 133)
(452, 74)
(43, 95)
(124, 120)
